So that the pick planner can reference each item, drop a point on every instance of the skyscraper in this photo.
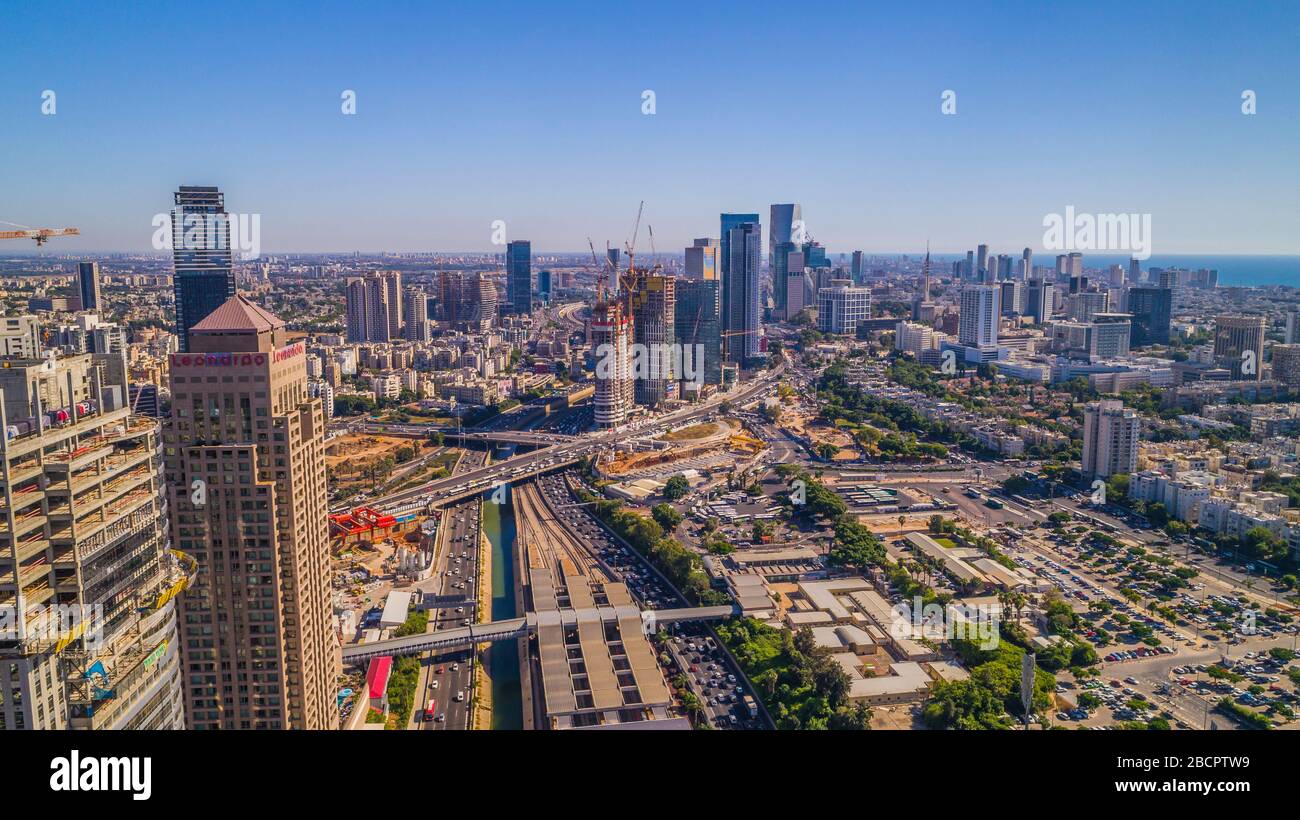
(1150, 308)
(203, 274)
(1239, 345)
(978, 317)
(740, 286)
(702, 259)
(781, 232)
(373, 307)
(698, 320)
(88, 285)
(653, 300)
(1110, 439)
(519, 277)
(544, 285)
(858, 268)
(87, 586)
(244, 456)
(415, 327)
(1026, 264)
(611, 346)
(982, 263)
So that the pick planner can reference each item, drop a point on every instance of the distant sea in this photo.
(1245, 271)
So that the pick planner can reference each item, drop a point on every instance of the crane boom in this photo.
(40, 234)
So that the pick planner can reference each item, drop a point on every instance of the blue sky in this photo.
(531, 113)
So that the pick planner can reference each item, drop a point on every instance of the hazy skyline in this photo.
(533, 116)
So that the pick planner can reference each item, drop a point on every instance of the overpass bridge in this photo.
(499, 436)
(492, 631)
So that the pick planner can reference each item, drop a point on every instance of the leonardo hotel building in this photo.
(244, 461)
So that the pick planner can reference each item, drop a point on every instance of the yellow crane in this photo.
(39, 234)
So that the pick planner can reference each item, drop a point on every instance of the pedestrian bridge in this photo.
(492, 631)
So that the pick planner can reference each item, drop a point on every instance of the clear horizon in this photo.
(508, 121)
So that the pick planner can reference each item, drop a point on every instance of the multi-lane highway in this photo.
(477, 480)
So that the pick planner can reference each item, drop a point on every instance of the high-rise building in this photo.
(611, 347)
(1292, 334)
(88, 285)
(982, 263)
(1011, 297)
(415, 327)
(373, 307)
(654, 316)
(1110, 439)
(785, 219)
(1026, 264)
(544, 285)
(1150, 308)
(1286, 363)
(83, 553)
(859, 268)
(1081, 306)
(519, 277)
(244, 455)
(20, 337)
(203, 273)
(740, 286)
(702, 259)
(842, 307)
(698, 328)
(1239, 345)
(1134, 270)
(978, 316)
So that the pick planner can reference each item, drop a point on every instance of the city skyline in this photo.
(427, 163)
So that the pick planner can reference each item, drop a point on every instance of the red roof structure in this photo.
(237, 313)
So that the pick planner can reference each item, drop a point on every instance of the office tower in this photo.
(1038, 300)
(978, 317)
(83, 554)
(466, 301)
(1134, 271)
(698, 328)
(415, 326)
(740, 293)
(611, 348)
(781, 239)
(1074, 264)
(1026, 264)
(654, 316)
(1078, 284)
(1239, 345)
(1170, 278)
(1081, 306)
(702, 259)
(519, 277)
(1004, 267)
(544, 285)
(373, 301)
(1062, 267)
(982, 263)
(923, 295)
(1150, 308)
(1110, 439)
(1292, 335)
(88, 285)
(799, 293)
(203, 273)
(245, 466)
(842, 307)
(1110, 335)
(859, 268)
(1011, 297)
(968, 272)
(1286, 363)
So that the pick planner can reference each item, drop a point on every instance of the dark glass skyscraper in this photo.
(88, 284)
(1150, 308)
(698, 322)
(741, 240)
(203, 276)
(519, 277)
(781, 231)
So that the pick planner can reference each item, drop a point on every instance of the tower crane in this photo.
(41, 235)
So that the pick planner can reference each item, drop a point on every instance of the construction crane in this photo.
(39, 234)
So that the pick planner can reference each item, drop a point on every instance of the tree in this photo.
(666, 516)
(676, 487)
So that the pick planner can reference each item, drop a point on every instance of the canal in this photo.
(503, 656)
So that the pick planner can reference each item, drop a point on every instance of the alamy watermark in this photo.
(54, 624)
(1073, 231)
(674, 362)
(209, 232)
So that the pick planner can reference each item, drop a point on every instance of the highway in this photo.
(567, 452)
(443, 675)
